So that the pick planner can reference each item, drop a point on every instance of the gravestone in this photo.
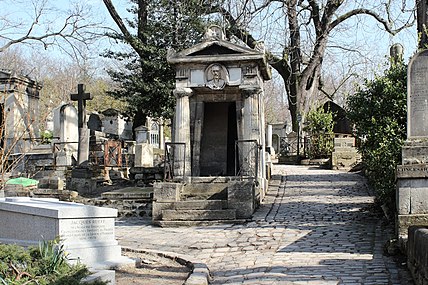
(412, 175)
(344, 155)
(116, 124)
(81, 97)
(82, 179)
(87, 232)
(141, 134)
(95, 123)
(66, 134)
(143, 155)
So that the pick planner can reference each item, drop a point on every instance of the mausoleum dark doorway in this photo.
(218, 139)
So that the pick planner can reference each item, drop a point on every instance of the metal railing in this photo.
(247, 158)
(175, 160)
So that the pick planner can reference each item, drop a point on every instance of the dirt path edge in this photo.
(200, 273)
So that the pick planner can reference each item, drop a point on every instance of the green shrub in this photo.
(378, 110)
(319, 125)
(45, 265)
(46, 137)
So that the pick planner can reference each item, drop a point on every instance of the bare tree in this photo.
(39, 23)
(305, 28)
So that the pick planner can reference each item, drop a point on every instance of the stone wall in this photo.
(125, 208)
(417, 253)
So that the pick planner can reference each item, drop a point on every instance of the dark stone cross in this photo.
(83, 148)
(81, 98)
(422, 20)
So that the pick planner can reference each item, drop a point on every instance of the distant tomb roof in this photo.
(341, 123)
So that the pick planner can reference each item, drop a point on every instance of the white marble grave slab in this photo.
(87, 232)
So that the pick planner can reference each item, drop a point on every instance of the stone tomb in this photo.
(218, 132)
(87, 232)
(66, 134)
(344, 155)
(412, 182)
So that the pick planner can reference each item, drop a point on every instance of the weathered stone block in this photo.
(344, 143)
(51, 183)
(405, 221)
(167, 191)
(345, 158)
(241, 196)
(81, 173)
(417, 253)
(240, 191)
(83, 185)
(157, 210)
(198, 215)
(412, 196)
(143, 155)
(244, 210)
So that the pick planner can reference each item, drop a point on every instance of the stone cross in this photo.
(422, 23)
(81, 98)
(83, 147)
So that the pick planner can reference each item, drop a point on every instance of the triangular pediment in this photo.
(216, 48)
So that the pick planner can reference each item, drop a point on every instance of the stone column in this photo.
(412, 175)
(263, 172)
(161, 136)
(269, 136)
(251, 131)
(182, 130)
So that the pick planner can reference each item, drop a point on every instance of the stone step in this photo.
(198, 215)
(173, 224)
(200, 205)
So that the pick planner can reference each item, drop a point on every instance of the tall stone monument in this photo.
(81, 97)
(81, 176)
(412, 175)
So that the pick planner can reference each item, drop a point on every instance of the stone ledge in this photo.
(173, 224)
(417, 254)
(200, 274)
(101, 275)
(405, 221)
(412, 171)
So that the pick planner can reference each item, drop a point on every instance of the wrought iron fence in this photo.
(306, 147)
(247, 158)
(290, 146)
(175, 162)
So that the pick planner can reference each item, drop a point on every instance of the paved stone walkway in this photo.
(314, 227)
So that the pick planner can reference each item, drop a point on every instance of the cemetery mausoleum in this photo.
(218, 145)
(19, 107)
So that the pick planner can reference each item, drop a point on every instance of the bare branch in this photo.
(119, 22)
(386, 24)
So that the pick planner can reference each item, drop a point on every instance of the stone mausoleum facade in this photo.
(219, 127)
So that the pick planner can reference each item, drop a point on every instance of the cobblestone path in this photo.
(314, 227)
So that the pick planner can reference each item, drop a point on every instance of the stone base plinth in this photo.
(415, 151)
(345, 158)
(405, 221)
(412, 197)
(83, 185)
